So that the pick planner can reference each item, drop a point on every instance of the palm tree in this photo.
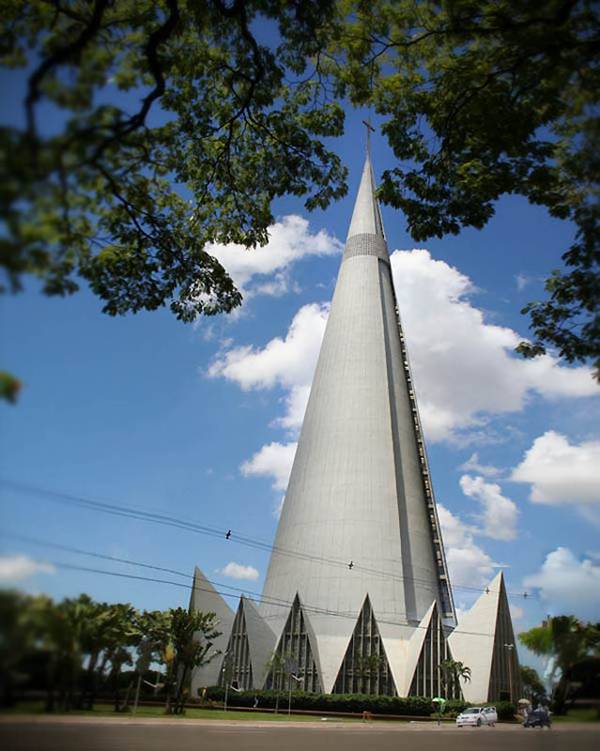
(566, 640)
(17, 638)
(182, 640)
(451, 674)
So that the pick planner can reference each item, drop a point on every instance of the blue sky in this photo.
(199, 421)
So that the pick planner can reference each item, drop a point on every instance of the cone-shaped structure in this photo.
(359, 489)
(357, 595)
(249, 648)
(205, 598)
(365, 668)
(484, 641)
(295, 654)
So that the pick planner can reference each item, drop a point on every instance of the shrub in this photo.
(414, 706)
(506, 710)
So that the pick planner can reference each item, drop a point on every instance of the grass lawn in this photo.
(578, 715)
(193, 713)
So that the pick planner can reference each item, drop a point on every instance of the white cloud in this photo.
(464, 367)
(568, 585)
(18, 567)
(468, 564)
(500, 514)
(288, 362)
(561, 472)
(273, 460)
(237, 571)
(265, 270)
(473, 465)
(522, 281)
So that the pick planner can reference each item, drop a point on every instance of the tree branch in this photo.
(61, 55)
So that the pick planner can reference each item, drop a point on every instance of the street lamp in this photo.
(510, 647)
(225, 677)
(299, 680)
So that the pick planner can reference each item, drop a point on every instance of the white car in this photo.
(477, 716)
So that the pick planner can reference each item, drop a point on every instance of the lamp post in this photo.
(299, 680)
(226, 677)
(510, 648)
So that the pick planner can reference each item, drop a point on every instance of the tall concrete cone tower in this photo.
(357, 597)
(359, 507)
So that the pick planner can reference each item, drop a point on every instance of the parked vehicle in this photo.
(538, 718)
(477, 716)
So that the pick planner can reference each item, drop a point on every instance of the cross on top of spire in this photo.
(366, 218)
(370, 129)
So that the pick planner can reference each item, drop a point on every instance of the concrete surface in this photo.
(128, 734)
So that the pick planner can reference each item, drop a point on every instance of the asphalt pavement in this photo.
(129, 734)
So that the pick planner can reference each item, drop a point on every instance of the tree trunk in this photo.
(559, 699)
(181, 695)
(88, 693)
(170, 681)
(127, 695)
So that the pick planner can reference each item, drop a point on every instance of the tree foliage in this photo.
(181, 640)
(129, 200)
(533, 688)
(85, 645)
(235, 104)
(452, 672)
(566, 641)
(482, 99)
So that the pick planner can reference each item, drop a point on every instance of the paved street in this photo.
(90, 734)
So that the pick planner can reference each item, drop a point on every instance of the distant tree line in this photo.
(78, 649)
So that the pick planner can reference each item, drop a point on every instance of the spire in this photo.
(366, 218)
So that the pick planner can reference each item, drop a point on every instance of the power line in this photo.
(128, 561)
(195, 587)
(190, 526)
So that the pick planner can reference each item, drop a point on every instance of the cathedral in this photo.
(357, 596)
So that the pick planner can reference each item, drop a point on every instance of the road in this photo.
(91, 734)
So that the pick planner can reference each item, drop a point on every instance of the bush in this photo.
(414, 706)
(506, 710)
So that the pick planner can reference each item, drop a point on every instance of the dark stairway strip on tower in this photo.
(436, 535)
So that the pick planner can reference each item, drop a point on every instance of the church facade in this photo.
(357, 597)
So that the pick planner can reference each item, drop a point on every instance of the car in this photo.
(538, 718)
(477, 716)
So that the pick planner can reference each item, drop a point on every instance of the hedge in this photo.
(414, 706)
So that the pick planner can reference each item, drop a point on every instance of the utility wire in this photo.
(236, 591)
(163, 519)
(195, 587)
(253, 596)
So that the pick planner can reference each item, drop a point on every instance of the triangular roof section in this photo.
(205, 598)
(366, 217)
(472, 641)
(425, 675)
(365, 667)
(297, 643)
(261, 641)
(414, 649)
(505, 675)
